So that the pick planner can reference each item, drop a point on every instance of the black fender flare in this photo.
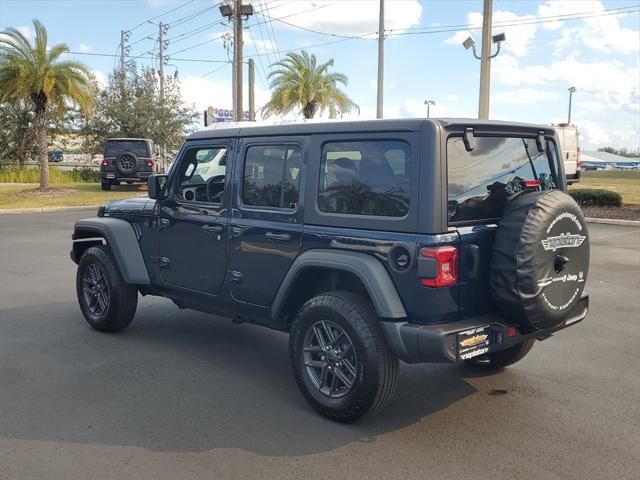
(123, 242)
(367, 268)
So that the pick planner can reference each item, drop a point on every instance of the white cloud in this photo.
(203, 93)
(518, 37)
(27, 32)
(453, 97)
(524, 96)
(609, 81)
(348, 17)
(593, 134)
(373, 84)
(83, 47)
(100, 77)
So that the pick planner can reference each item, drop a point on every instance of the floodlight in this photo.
(572, 89)
(247, 9)
(468, 43)
(429, 102)
(226, 10)
(500, 37)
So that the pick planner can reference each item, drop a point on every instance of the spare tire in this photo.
(540, 259)
(127, 163)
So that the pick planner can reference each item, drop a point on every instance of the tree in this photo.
(35, 73)
(299, 83)
(623, 152)
(130, 106)
(17, 139)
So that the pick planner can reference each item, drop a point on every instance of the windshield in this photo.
(113, 148)
(481, 180)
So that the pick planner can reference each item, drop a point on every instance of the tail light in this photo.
(578, 162)
(439, 266)
(149, 162)
(105, 162)
(531, 183)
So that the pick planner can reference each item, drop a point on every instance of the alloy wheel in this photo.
(330, 359)
(95, 290)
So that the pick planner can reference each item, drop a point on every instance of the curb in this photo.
(15, 211)
(613, 221)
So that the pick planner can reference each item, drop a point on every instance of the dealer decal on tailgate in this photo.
(474, 342)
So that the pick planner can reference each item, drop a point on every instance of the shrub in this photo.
(56, 175)
(596, 197)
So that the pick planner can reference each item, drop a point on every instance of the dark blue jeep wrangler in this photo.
(421, 240)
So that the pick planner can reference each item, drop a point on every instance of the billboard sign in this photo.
(217, 115)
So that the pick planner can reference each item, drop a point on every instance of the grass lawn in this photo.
(86, 194)
(625, 182)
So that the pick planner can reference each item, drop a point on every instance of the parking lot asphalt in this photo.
(186, 395)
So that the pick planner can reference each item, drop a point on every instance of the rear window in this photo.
(113, 148)
(481, 180)
(365, 178)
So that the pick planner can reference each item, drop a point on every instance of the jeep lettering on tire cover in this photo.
(540, 259)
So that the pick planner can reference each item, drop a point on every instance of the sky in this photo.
(592, 45)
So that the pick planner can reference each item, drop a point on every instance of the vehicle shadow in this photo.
(181, 381)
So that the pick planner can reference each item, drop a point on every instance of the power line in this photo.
(149, 20)
(270, 26)
(216, 69)
(190, 17)
(197, 45)
(145, 57)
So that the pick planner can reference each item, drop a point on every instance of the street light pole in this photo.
(571, 92)
(485, 61)
(428, 103)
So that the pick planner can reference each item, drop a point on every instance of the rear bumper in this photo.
(415, 343)
(136, 177)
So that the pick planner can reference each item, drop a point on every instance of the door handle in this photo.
(214, 229)
(277, 237)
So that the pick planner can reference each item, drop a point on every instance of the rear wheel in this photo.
(503, 358)
(107, 302)
(106, 185)
(339, 357)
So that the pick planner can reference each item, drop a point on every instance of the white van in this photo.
(570, 148)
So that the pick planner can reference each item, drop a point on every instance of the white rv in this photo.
(570, 150)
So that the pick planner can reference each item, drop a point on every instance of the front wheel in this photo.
(503, 358)
(106, 301)
(340, 358)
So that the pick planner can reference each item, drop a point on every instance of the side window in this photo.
(202, 174)
(272, 176)
(365, 178)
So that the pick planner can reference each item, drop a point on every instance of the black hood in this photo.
(136, 205)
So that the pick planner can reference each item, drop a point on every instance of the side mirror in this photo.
(157, 184)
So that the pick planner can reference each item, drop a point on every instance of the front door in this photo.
(266, 228)
(194, 221)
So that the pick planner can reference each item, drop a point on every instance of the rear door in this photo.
(266, 225)
(479, 183)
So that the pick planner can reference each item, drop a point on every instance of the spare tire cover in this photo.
(540, 259)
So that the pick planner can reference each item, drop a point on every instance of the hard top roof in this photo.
(247, 129)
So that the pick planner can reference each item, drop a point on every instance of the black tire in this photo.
(376, 368)
(127, 163)
(121, 298)
(503, 358)
(106, 185)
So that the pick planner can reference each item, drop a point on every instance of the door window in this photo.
(202, 175)
(272, 176)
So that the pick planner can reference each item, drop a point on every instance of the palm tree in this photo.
(298, 82)
(35, 73)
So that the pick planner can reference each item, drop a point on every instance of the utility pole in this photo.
(237, 50)
(252, 85)
(161, 54)
(485, 61)
(122, 52)
(379, 109)
(235, 14)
